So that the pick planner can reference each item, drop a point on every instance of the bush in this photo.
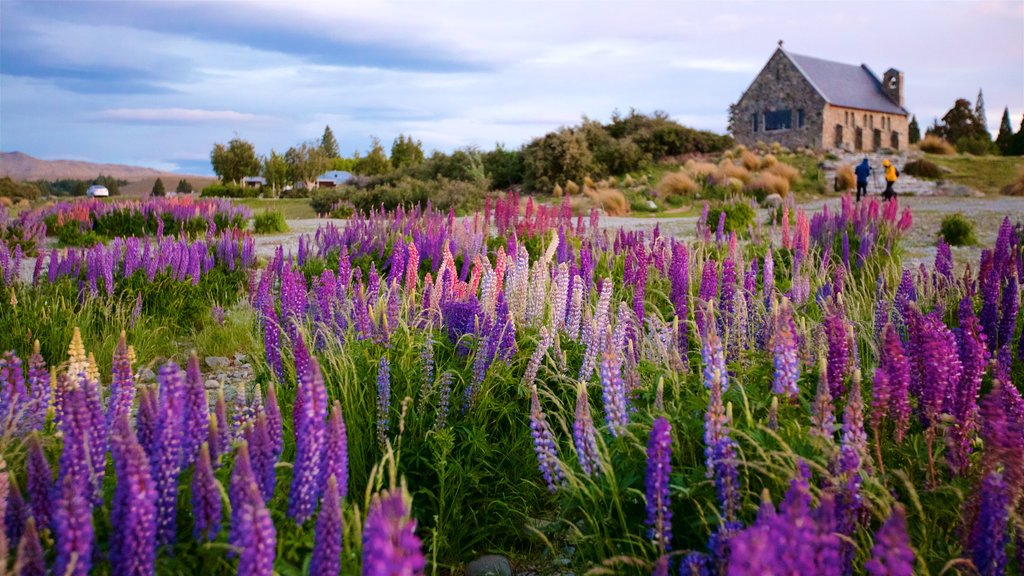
(957, 230)
(504, 167)
(1015, 188)
(17, 190)
(612, 201)
(845, 178)
(978, 146)
(269, 223)
(922, 169)
(324, 199)
(934, 145)
(555, 157)
(229, 191)
(700, 170)
(343, 210)
(765, 183)
(782, 170)
(677, 184)
(738, 216)
(726, 170)
(442, 193)
(749, 160)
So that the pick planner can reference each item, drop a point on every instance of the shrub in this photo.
(611, 200)
(229, 191)
(738, 216)
(765, 183)
(922, 169)
(749, 160)
(768, 160)
(561, 155)
(324, 199)
(957, 230)
(700, 170)
(17, 190)
(343, 210)
(269, 223)
(981, 145)
(726, 170)
(845, 178)
(782, 170)
(1015, 188)
(934, 145)
(677, 184)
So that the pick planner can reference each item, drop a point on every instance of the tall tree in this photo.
(958, 123)
(914, 131)
(184, 187)
(979, 112)
(275, 170)
(375, 162)
(305, 163)
(328, 144)
(1004, 140)
(234, 161)
(406, 152)
(158, 190)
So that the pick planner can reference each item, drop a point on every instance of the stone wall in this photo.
(866, 123)
(779, 86)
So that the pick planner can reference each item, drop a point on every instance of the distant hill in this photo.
(21, 166)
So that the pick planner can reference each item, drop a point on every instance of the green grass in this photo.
(292, 208)
(988, 174)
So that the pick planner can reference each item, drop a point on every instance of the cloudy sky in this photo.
(157, 83)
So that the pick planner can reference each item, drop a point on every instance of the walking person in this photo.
(891, 174)
(863, 171)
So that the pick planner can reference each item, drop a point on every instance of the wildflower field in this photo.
(782, 399)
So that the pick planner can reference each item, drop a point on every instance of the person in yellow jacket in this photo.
(891, 174)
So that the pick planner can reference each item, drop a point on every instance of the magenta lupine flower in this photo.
(823, 420)
(326, 559)
(72, 527)
(719, 447)
(197, 413)
(659, 468)
(166, 455)
(854, 441)
(905, 294)
(989, 535)
(383, 399)
(206, 504)
(390, 544)
(891, 554)
(122, 383)
(257, 537)
(544, 445)
(964, 394)
(784, 349)
(895, 369)
(838, 350)
(727, 297)
(30, 561)
(134, 508)
(336, 452)
(584, 436)
(935, 363)
(614, 393)
(40, 482)
(309, 442)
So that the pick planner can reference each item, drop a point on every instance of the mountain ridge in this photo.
(21, 166)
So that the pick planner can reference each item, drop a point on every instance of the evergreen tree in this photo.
(1017, 147)
(184, 187)
(979, 112)
(328, 145)
(406, 152)
(158, 189)
(914, 131)
(1005, 138)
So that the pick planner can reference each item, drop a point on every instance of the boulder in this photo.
(771, 201)
(216, 362)
(489, 565)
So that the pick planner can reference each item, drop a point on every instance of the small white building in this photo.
(254, 182)
(333, 179)
(97, 191)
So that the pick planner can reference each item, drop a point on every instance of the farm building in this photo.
(802, 101)
(254, 182)
(333, 179)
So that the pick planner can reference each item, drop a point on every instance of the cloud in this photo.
(176, 116)
(716, 65)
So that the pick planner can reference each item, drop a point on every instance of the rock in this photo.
(146, 375)
(240, 358)
(651, 205)
(956, 190)
(217, 362)
(772, 201)
(211, 384)
(489, 565)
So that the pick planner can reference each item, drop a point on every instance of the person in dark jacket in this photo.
(863, 172)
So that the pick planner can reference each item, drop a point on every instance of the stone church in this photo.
(802, 101)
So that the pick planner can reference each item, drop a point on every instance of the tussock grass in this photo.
(936, 145)
(767, 183)
(677, 184)
(786, 171)
(726, 170)
(845, 178)
(612, 201)
(1015, 188)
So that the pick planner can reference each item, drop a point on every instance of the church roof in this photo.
(845, 84)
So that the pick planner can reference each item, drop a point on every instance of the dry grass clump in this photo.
(627, 181)
(936, 145)
(1015, 188)
(768, 183)
(557, 191)
(784, 171)
(609, 199)
(749, 160)
(588, 182)
(734, 185)
(572, 188)
(700, 170)
(845, 178)
(677, 184)
(768, 160)
(726, 170)
(6, 202)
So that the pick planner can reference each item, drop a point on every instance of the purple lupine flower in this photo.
(727, 304)
(146, 418)
(444, 389)
(659, 502)
(944, 260)
(905, 294)
(206, 504)
(261, 455)
(679, 275)
(426, 373)
(891, 554)
(895, 369)
(390, 544)
(5, 487)
(72, 527)
(713, 356)
(614, 393)
(31, 560)
(39, 390)
(40, 482)
(242, 477)
(122, 383)
(134, 507)
(708, 291)
(13, 520)
(326, 559)
(719, 447)
(272, 339)
(221, 444)
(988, 286)
(544, 445)
(197, 413)
(537, 357)
(336, 452)
(784, 348)
(383, 399)
(273, 412)
(166, 454)
(584, 436)
(97, 434)
(964, 394)
(1008, 311)
(769, 278)
(989, 535)
(854, 441)
(309, 442)
(823, 420)
(838, 350)
(257, 537)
